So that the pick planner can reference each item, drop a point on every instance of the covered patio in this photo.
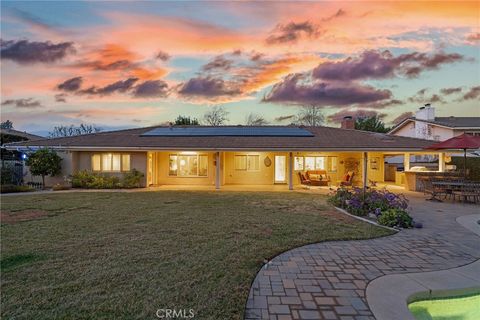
(289, 170)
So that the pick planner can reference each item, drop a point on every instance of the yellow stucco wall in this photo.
(375, 159)
(265, 174)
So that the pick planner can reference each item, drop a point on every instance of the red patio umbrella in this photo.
(464, 142)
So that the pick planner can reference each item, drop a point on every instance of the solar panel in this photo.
(229, 132)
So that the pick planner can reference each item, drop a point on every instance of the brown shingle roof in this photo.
(325, 138)
(22, 134)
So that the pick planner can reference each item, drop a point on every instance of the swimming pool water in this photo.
(454, 308)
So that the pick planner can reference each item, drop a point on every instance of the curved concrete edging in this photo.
(365, 219)
(470, 222)
(389, 304)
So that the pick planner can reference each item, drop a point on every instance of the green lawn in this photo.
(125, 255)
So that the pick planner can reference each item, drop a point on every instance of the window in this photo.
(116, 162)
(315, 163)
(333, 164)
(298, 163)
(107, 162)
(125, 162)
(240, 162)
(111, 162)
(320, 163)
(472, 133)
(173, 165)
(96, 162)
(202, 165)
(253, 162)
(309, 163)
(249, 162)
(188, 165)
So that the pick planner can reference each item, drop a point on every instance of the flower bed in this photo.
(387, 208)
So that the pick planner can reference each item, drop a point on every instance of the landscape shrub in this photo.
(395, 218)
(11, 188)
(373, 203)
(91, 180)
(132, 179)
(6, 175)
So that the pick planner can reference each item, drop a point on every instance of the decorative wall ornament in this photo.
(267, 162)
(351, 164)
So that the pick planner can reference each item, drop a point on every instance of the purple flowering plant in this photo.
(372, 201)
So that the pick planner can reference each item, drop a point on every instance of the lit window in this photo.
(188, 165)
(96, 162)
(240, 162)
(125, 162)
(203, 165)
(319, 163)
(298, 163)
(247, 162)
(107, 162)
(309, 163)
(333, 164)
(253, 162)
(116, 162)
(173, 166)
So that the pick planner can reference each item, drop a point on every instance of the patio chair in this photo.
(347, 180)
(467, 192)
(303, 179)
(434, 190)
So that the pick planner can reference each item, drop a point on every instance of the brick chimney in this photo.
(348, 123)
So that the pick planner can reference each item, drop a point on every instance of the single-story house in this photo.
(237, 155)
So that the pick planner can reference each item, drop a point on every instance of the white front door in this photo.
(280, 169)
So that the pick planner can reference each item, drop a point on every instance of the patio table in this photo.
(450, 186)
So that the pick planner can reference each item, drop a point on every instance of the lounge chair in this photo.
(347, 180)
(304, 180)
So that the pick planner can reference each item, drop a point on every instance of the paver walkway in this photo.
(328, 280)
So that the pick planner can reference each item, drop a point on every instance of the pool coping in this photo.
(388, 304)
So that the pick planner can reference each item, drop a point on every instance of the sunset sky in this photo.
(130, 64)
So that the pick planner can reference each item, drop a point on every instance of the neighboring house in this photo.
(233, 155)
(11, 135)
(425, 125)
(11, 160)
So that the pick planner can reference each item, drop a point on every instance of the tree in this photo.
(254, 119)
(6, 124)
(186, 121)
(68, 131)
(44, 162)
(372, 123)
(310, 115)
(216, 117)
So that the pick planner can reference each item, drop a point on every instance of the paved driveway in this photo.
(328, 280)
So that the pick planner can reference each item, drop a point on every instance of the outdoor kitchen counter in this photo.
(413, 178)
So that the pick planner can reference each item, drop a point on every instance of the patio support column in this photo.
(365, 169)
(441, 162)
(406, 162)
(290, 171)
(217, 170)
